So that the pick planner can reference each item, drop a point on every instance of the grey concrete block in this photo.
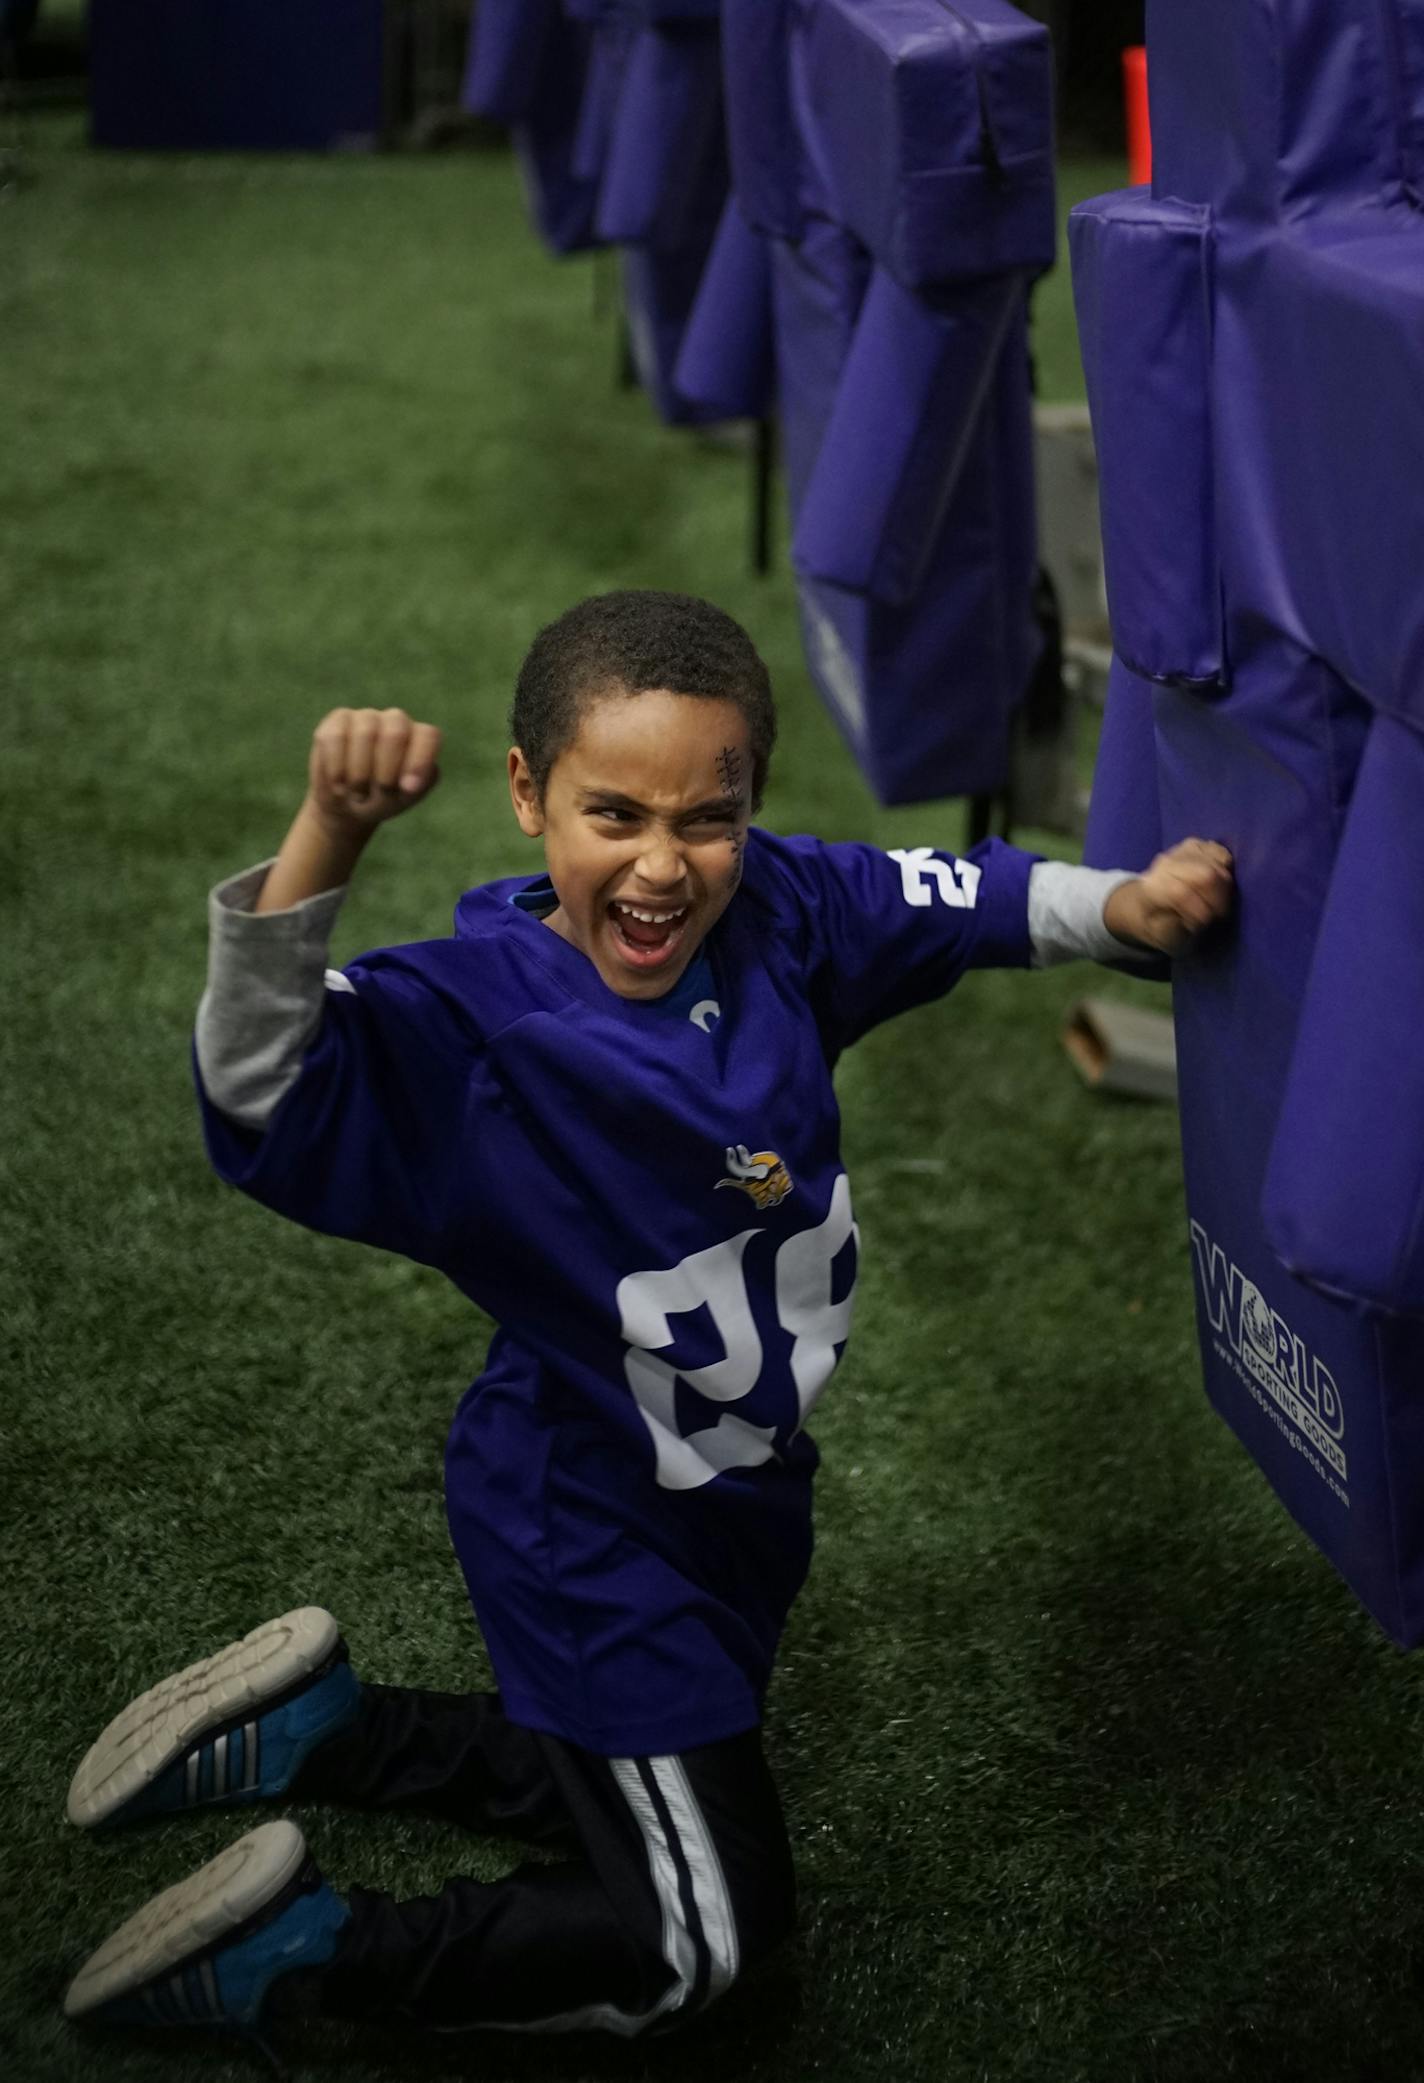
(1122, 1048)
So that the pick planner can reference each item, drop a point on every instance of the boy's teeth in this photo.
(649, 918)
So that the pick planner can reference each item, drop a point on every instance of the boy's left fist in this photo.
(1184, 891)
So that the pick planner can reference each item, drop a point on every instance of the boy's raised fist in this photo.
(367, 765)
(1181, 893)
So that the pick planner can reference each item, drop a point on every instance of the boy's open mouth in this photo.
(646, 937)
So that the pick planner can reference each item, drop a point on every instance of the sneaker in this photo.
(233, 1727)
(207, 1951)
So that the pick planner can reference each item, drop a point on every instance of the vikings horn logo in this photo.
(764, 1176)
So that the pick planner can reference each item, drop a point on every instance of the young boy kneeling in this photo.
(605, 1109)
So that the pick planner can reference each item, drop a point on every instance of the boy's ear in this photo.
(525, 796)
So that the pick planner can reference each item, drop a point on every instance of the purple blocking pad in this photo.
(598, 105)
(1252, 334)
(658, 294)
(665, 173)
(616, 113)
(725, 360)
(504, 67)
(878, 489)
(1344, 1190)
(527, 67)
(937, 127)
(873, 660)
(1124, 815)
(898, 161)
(761, 132)
(663, 188)
(1142, 272)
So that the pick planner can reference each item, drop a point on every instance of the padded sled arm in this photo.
(909, 400)
(1141, 281)
(1343, 1199)
(726, 361)
(508, 43)
(665, 135)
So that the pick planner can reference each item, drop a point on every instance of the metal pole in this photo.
(763, 477)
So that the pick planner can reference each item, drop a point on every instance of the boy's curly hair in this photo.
(628, 643)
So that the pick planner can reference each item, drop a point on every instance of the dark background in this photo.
(1089, 36)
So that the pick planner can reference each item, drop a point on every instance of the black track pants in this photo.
(678, 1874)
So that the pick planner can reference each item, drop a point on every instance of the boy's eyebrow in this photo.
(612, 798)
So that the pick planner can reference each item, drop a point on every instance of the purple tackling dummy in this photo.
(616, 112)
(527, 67)
(1253, 333)
(896, 163)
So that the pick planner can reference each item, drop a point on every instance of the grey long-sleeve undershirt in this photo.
(267, 974)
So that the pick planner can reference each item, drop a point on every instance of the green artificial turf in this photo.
(1093, 1768)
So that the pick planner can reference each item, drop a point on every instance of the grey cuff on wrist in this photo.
(1065, 915)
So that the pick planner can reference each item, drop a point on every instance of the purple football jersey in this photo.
(649, 1199)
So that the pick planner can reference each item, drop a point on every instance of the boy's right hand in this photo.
(368, 765)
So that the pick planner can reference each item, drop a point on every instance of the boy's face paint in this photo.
(730, 769)
(646, 811)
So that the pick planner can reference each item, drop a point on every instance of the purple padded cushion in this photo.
(1124, 827)
(1344, 1190)
(561, 200)
(1323, 462)
(598, 106)
(665, 174)
(761, 137)
(906, 410)
(504, 68)
(1408, 24)
(726, 362)
(658, 292)
(1274, 109)
(1142, 281)
(923, 690)
(936, 126)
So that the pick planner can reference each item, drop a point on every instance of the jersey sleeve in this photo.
(373, 1077)
(892, 929)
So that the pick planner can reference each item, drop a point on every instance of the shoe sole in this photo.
(200, 1912)
(155, 1729)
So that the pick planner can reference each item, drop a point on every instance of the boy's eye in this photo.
(614, 814)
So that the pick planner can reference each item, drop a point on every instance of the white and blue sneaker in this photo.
(207, 1951)
(233, 1727)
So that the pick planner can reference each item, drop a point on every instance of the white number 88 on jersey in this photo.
(715, 1279)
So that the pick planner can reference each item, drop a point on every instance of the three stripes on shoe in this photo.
(230, 1764)
(188, 1997)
